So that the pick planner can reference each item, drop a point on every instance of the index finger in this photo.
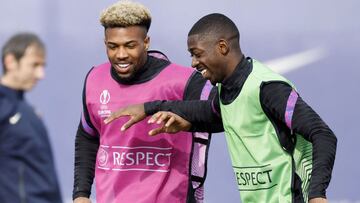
(156, 131)
(115, 115)
(129, 123)
(155, 117)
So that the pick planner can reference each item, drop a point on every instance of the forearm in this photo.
(201, 114)
(309, 124)
(86, 147)
(216, 127)
(194, 111)
(324, 150)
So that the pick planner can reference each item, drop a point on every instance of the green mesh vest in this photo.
(263, 168)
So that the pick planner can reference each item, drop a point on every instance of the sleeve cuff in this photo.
(152, 107)
(313, 195)
(81, 194)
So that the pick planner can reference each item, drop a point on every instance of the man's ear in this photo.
(10, 62)
(223, 47)
(147, 42)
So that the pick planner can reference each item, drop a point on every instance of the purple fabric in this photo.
(158, 54)
(214, 109)
(198, 162)
(199, 194)
(290, 106)
(198, 167)
(206, 91)
(86, 126)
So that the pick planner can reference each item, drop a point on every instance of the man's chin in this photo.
(29, 86)
(126, 78)
(213, 82)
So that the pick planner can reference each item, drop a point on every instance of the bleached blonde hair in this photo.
(126, 13)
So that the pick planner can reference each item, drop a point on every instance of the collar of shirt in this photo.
(231, 87)
(11, 93)
(152, 68)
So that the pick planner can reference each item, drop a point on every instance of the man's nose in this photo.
(121, 53)
(40, 72)
(194, 62)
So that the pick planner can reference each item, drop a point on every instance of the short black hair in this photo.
(217, 25)
(18, 44)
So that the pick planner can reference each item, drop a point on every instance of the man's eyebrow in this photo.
(191, 49)
(109, 42)
(131, 41)
(128, 42)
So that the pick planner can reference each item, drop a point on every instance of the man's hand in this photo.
(136, 113)
(172, 123)
(318, 200)
(82, 200)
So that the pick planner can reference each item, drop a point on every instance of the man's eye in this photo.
(131, 46)
(196, 55)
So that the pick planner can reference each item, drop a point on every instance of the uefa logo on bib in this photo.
(102, 157)
(104, 110)
(104, 97)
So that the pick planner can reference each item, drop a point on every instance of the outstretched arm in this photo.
(172, 123)
(199, 113)
(203, 115)
(200, 106)
(136, 113)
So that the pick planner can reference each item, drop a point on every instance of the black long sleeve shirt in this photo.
(273, 98)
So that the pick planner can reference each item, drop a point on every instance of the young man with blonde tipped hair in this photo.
(134, 167)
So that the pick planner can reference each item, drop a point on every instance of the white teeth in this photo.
(123, 65)
(203, 72)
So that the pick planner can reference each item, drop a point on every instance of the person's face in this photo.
(206, 58)
(126, 48)
(28, 70)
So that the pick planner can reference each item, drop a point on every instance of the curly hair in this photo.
(126, 13)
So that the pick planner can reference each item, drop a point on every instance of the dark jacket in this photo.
(27, 172)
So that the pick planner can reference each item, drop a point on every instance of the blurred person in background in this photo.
(27, 171)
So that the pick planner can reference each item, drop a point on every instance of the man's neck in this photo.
(232, 64)
(8, 82)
